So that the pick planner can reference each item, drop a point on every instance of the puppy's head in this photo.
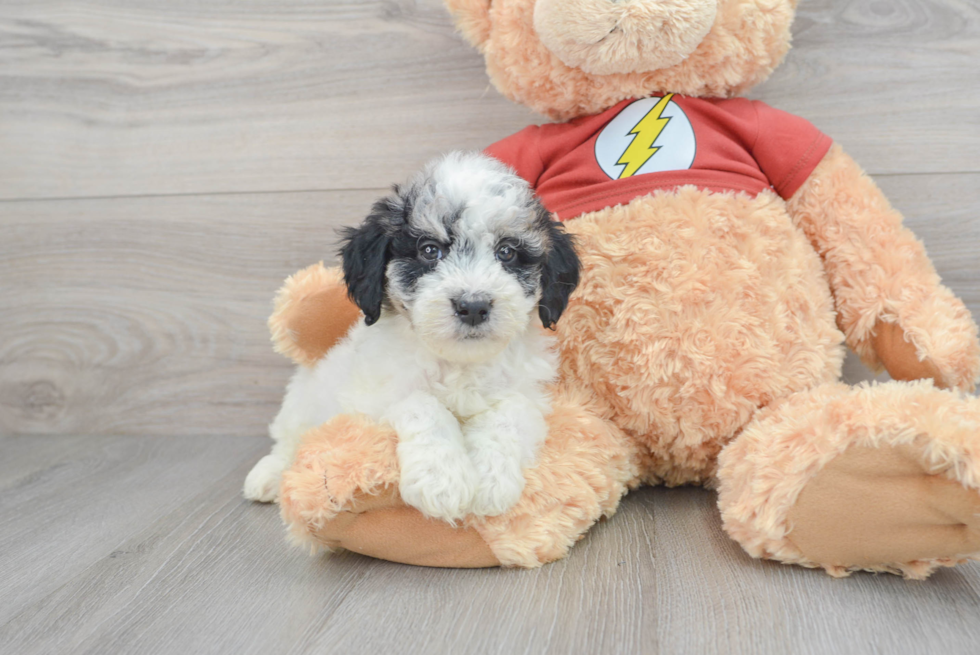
(466, 253)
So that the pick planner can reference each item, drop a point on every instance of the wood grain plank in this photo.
(878, 75)
(724, 602)
(136, 599)
(218, 568)
(69, 502)
(118, 98)
(205, 571)
(147, 315)
(551, 610)
(107, 98)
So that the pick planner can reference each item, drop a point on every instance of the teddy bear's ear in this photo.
(472, 19)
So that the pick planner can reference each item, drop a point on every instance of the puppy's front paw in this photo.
(498, 469)
(262, 483)
(496, 496)
(441, 489)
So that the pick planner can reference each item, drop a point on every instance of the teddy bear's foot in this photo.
(890, 506)
(312, 313)
(342, 492)
(876, 478)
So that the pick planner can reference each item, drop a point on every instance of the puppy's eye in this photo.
(506, 254)
(430, 251)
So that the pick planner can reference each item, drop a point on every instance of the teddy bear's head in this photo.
(568, 58)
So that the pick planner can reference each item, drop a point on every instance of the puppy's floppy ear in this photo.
(559, 271)
(365, 253)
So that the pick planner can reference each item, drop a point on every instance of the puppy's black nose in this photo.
(472, 311)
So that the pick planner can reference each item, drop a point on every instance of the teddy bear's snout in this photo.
(603, 37)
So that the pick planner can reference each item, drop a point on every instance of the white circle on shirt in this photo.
(662, 134)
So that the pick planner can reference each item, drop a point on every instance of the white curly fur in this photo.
(468, 402)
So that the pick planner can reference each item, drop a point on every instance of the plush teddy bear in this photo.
(729, 252)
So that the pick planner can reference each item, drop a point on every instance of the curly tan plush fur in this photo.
(602, 37)
(747, 41)
(694, 310)
(703, 346)
(311, 314)
(342, 493)
(583, 470)
(766, 471)
(880, 273)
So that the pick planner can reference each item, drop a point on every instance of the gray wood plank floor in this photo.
(164, 165)
(143, 545)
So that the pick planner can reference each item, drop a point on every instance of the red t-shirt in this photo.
(640, 146)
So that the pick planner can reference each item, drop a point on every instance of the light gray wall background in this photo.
(163, 166)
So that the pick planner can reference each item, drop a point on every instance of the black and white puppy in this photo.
(455, 273)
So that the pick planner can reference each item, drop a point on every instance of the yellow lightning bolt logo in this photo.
(645, 132)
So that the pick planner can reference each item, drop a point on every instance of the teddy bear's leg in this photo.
(342, 492)
(312, 313)
(878, 478)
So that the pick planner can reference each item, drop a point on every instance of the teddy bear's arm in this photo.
(891, 305)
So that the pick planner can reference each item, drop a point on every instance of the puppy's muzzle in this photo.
(472, 311)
